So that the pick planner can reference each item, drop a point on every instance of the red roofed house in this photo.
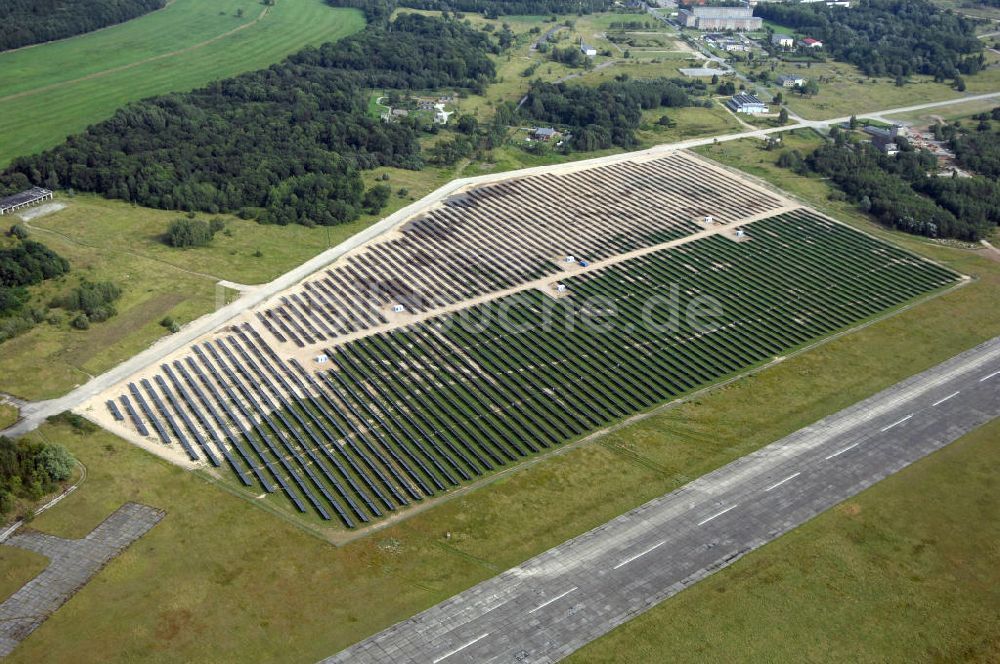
(812, 43)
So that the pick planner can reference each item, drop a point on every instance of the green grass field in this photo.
(17, 567)
(907, 571)
(217, 566)
(845, 91)
(8, 415)
(52, 90)
(950, 112)
(110, 240)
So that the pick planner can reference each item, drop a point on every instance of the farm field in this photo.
(82, 80)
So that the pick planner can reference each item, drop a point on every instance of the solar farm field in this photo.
(189, 43)
(350, 424)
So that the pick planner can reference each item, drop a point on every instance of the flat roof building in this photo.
(885, 139)
(720, 18)
(12, 204)
(747, 103)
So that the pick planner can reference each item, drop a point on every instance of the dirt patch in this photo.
(41, 211)
(172, 623)
(990, 252)
(849, 509)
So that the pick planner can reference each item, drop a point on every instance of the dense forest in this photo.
(609, 114)
(30, 470)
(27, 22)
(887, 37)
(898, 192)
(283, 144)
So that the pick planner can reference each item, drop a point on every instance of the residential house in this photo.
(791, 81)
(782, 41)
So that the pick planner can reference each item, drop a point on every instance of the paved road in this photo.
(557, 602)
(35, 413)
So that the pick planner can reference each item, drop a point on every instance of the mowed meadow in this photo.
(50, 91)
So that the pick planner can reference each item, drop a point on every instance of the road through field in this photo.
(555, 603)
(35, 413)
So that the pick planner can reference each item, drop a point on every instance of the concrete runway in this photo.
(557, 602)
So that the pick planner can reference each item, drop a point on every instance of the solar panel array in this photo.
(499, 236)
(397, 416)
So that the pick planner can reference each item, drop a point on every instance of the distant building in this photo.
(727, 43)
(747, 103)
(809, 42)
(400, 112)
(830, 3)
(587, 50)
(720, 18)
(12, 204)
(782, 41)
(787, 81)
(440, 115)
(544, 133)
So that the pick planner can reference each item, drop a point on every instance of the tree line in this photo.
(895, 38)
(29, 263)
(904, 191)
(24, 264)
(284, 144)
(30, 470)
(977, 150)
(26, 22)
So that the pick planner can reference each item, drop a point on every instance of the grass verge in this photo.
(17, 567)
(8, 415)
(908, 570)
